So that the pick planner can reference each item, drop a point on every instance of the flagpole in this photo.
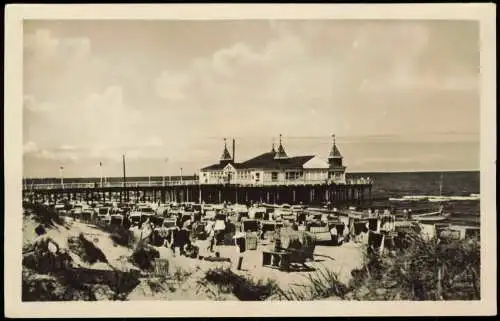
(124, 179)
(166, 161)
(100, 166)
(61, 168)
(105, 178)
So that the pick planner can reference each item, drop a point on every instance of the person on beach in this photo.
(147, 231)
(211, 236)
(181, 239)
(136, 233)
(173, 238)
(240, 243)
(334, 233)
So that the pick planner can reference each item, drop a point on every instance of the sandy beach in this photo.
(339, 259)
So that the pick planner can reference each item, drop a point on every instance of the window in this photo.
(274, 176)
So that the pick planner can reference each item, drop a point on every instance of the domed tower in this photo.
(335, 158)
(225, 157)
(280, 153)
(336, 171)
(273, 149)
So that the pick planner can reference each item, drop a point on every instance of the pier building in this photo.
(272, 177)
(276, 167)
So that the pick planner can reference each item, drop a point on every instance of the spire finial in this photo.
(280, 153)
(334, 153)
(225, 153)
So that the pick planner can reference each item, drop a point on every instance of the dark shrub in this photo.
(122, 236)
(144, 256)
(40, 230)
(243, 288)
(87, 250)
(46, 216)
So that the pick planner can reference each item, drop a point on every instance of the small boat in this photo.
(438, 215)
(435, 216)
(429, 219)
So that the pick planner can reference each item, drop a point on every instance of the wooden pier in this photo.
(191, 191)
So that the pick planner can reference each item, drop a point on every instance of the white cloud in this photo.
(67, 147)
(297, 72)
(42, 46)
(154, 141)
(32, 105)
(101, 125)
(171, 86)
(162, 99)
(32, 150)
(241, 72)
(60, 69)
(45, 154)
(30, 147)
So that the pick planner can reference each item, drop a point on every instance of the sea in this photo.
(459, 191)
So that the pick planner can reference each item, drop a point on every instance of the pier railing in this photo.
(107, 185)
(73, 185)
(295, 182)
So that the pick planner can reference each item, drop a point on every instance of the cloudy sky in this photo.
(399, 95)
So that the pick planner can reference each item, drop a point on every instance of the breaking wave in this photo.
(433, 198)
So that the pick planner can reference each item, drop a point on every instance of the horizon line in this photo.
(353, 172)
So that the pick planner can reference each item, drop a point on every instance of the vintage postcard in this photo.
(250, 160)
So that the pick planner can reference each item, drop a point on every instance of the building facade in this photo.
(276, 168)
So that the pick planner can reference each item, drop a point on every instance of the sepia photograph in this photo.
(260, 158)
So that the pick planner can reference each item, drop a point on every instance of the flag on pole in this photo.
(100, 163)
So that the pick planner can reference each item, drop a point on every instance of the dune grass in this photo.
(244, 288)
(426, 270)
(321, 284)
